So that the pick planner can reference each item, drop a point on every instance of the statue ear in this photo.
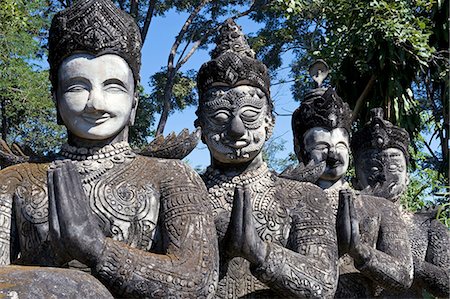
(59, 120)
(133, 110)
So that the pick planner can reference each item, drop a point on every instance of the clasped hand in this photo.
(241, 238)
(347, 229)
(74, 232)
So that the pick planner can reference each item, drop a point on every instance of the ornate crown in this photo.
(97, 27)
(233, 63)
(380, 134)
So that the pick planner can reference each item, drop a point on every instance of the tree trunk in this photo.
(4, 119)
(167, 97)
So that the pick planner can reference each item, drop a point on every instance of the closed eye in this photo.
(114, 85)
(220, 117)
(250, 115)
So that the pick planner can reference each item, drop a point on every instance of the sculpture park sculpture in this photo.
(373, 245)
(276, 236)
(142, 225)
(381, 159)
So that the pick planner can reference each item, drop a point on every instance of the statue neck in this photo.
(76, 141)
(327, 184)
(234, 169)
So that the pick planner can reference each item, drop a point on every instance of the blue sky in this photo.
(154, 56)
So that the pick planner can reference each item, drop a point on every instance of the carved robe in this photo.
(296, 223)
(161, 239)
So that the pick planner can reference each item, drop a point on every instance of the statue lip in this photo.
(96, 118)
(238, 144)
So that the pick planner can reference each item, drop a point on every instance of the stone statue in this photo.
(373, 245)
(142, 225)
(276, 236)
(381, 158)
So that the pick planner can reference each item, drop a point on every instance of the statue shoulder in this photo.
(12, 176)
(295, 190)
(170, 171)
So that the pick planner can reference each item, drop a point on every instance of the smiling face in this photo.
(235, 123)
(385, 171)
(331, 146)
(95, 95)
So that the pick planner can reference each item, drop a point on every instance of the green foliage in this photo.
(271, 152)
(391, 54)
(27, 110)
(183, 92)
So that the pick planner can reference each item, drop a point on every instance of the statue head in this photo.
(235, 107)
(381, 157)
(321, 127)
(95, 58)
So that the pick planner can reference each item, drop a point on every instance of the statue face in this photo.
(235, 123)
(331, 146)
(95, 95)
(385, 171)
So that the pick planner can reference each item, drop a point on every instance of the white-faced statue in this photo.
(94, 78)
(321, 128)
(96, 95)
(332, 146)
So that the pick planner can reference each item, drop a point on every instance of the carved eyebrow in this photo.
(71, 80)
(114, 81)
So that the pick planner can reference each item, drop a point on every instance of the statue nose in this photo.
(237, 128)
(95, 101)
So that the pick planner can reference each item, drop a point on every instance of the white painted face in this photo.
(95, 95)
(389, 163)
(331, 146)
(236, 123)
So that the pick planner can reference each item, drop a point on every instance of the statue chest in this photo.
(271, 218)
(126, 209)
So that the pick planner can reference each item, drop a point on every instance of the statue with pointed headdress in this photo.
(381, 159)
(141, 226)
(276, 236)
(373, 245)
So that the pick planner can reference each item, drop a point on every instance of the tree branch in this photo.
(122, 4)
(362, 97)
(171, 71)
(148, 19)
(134, 8)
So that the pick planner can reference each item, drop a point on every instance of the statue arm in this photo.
(9, 178)
(434, 273)
(390, 263)
(309, 270)
(188, 268)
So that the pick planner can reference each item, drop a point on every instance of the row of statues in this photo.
(148, 227)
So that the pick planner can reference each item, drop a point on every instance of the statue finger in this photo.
(354, 224)
(343, 222)
(64, 202)
(54, 229)
(247, 206)
(237, 211)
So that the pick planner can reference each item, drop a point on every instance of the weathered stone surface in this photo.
(49, 283)
(373, 243)
(276, 236)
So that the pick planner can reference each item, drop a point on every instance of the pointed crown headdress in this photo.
(321, 107)
(96, 27)
(380, 134)
(233, 64)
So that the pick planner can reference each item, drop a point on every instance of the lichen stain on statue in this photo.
(142, 226)
(381, 159)
(373, 246)
(276, 236)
